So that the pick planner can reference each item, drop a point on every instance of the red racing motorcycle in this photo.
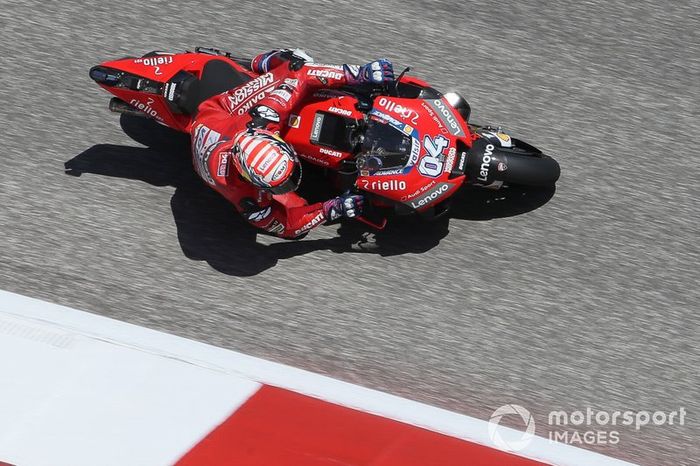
(406, 146)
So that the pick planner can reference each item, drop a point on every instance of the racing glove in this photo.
(377, 72)
(347, 205)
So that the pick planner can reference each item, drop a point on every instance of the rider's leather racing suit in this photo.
(282, 83)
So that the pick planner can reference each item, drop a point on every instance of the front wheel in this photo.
(489, 164)
(525, 170)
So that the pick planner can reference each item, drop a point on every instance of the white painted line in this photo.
(213, 360)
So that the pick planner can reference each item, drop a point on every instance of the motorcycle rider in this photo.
(237, 149)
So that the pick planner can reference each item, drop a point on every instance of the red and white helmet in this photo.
(264, 159)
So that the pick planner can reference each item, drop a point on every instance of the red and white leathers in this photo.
(264, 102)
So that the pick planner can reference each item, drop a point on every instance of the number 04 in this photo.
(431, 164)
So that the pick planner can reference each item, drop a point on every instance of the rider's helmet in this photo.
(265, 160)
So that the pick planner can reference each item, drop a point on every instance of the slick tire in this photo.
(530, 170)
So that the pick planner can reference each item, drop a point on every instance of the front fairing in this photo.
(417, 165)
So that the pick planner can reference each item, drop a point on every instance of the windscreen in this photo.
(383, 147)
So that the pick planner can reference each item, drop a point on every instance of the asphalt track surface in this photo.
(590, 299)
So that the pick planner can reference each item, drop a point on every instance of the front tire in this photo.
(489, 164)
(527, 170)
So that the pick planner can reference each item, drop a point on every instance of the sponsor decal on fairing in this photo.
(485, 163)
(506, 141)
(392, 171)
(407, 129)
(404, 112)
(497, 136)
(391, 185)
(169, 91)
(294, 121)
(462, 161)
(388, 118)
(435, 118)
(316, 128)
(316, 160)
(431, 196)
(340, 111)
(447, 116)
(332, 153)
(450, 161)
(156, 62)
(418, 191)
(415, 152)
(146, 107)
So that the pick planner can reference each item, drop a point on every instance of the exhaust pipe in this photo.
(117, 105)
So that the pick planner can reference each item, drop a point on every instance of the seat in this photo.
(217, 76)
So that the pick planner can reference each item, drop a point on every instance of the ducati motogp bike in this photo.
(407, 147)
